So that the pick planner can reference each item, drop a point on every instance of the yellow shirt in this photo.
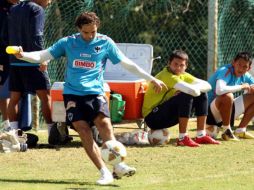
(153, 99)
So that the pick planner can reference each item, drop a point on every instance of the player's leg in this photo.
(80, 111)
(41, 86)
(221, 108)
(105, 128)
(224, 105)
(200, 104)
(4, 93)
(244, 105)
(184, 104)
(12, 109)
(4, 101)
(44, 96)
(93, 151)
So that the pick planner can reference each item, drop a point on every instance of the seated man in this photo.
(173, 106)
(224, 107)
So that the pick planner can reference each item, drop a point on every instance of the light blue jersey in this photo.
(226, 73)
(86, 62)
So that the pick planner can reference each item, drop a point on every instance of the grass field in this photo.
(229, 166)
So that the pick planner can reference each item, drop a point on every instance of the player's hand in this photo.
(43, 66)
(246, 87)
(251, 89)
(19, 54)
(158, 85)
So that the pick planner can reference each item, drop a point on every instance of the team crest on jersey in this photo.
(84, 64)
(97, 49)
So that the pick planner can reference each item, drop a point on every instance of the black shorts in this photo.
(167, 114)
(85, 108)
(211, 121)
(28, 79)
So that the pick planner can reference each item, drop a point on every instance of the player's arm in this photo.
(223, 88)
(34, 56)
(187, 88)
(134, 68)
(202, 85)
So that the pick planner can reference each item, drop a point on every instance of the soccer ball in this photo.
(212, 131)
(158, 137)
(113, 152)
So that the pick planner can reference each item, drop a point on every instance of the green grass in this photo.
(229, 166)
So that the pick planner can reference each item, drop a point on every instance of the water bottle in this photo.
(12, 49)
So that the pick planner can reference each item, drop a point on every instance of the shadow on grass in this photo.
(33, 181)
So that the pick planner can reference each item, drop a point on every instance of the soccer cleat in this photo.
(229, 136)
(244, 135)
(187, 141)
(206, 140)
(105, 179)
(123, 169)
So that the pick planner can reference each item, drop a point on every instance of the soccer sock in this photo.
(182, 135)
(240, 130)
(14, 125)
(105, 171)
(5, 124)
(201, 133)
(225, 127)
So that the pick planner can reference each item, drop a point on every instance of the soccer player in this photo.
(24, 119)
(85, 103)
(224, 108)
(173, 106)
(26, 24)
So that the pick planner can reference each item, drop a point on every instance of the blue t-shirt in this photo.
(86, 62)
(226, 73)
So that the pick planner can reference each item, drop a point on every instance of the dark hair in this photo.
(245, 56)
(180, 54)
(87, 18)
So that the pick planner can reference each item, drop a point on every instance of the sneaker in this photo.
(206, 140)
(105, 179)
(229, 136)
(187, 141)
(244, 135)
(123, 169)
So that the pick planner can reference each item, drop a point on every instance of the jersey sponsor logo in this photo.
(84, 64)
(85, 55)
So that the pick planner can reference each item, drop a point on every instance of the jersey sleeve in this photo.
(224, 74)
(249, 78)
(114, 53)
(58, 49)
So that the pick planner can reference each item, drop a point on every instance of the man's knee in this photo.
(226, 99)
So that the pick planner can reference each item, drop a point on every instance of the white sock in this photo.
(182, 135)
(201, 133)
(105, 170)
(5, 124)
(225, 127)
(14, 124)
(240, 130)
